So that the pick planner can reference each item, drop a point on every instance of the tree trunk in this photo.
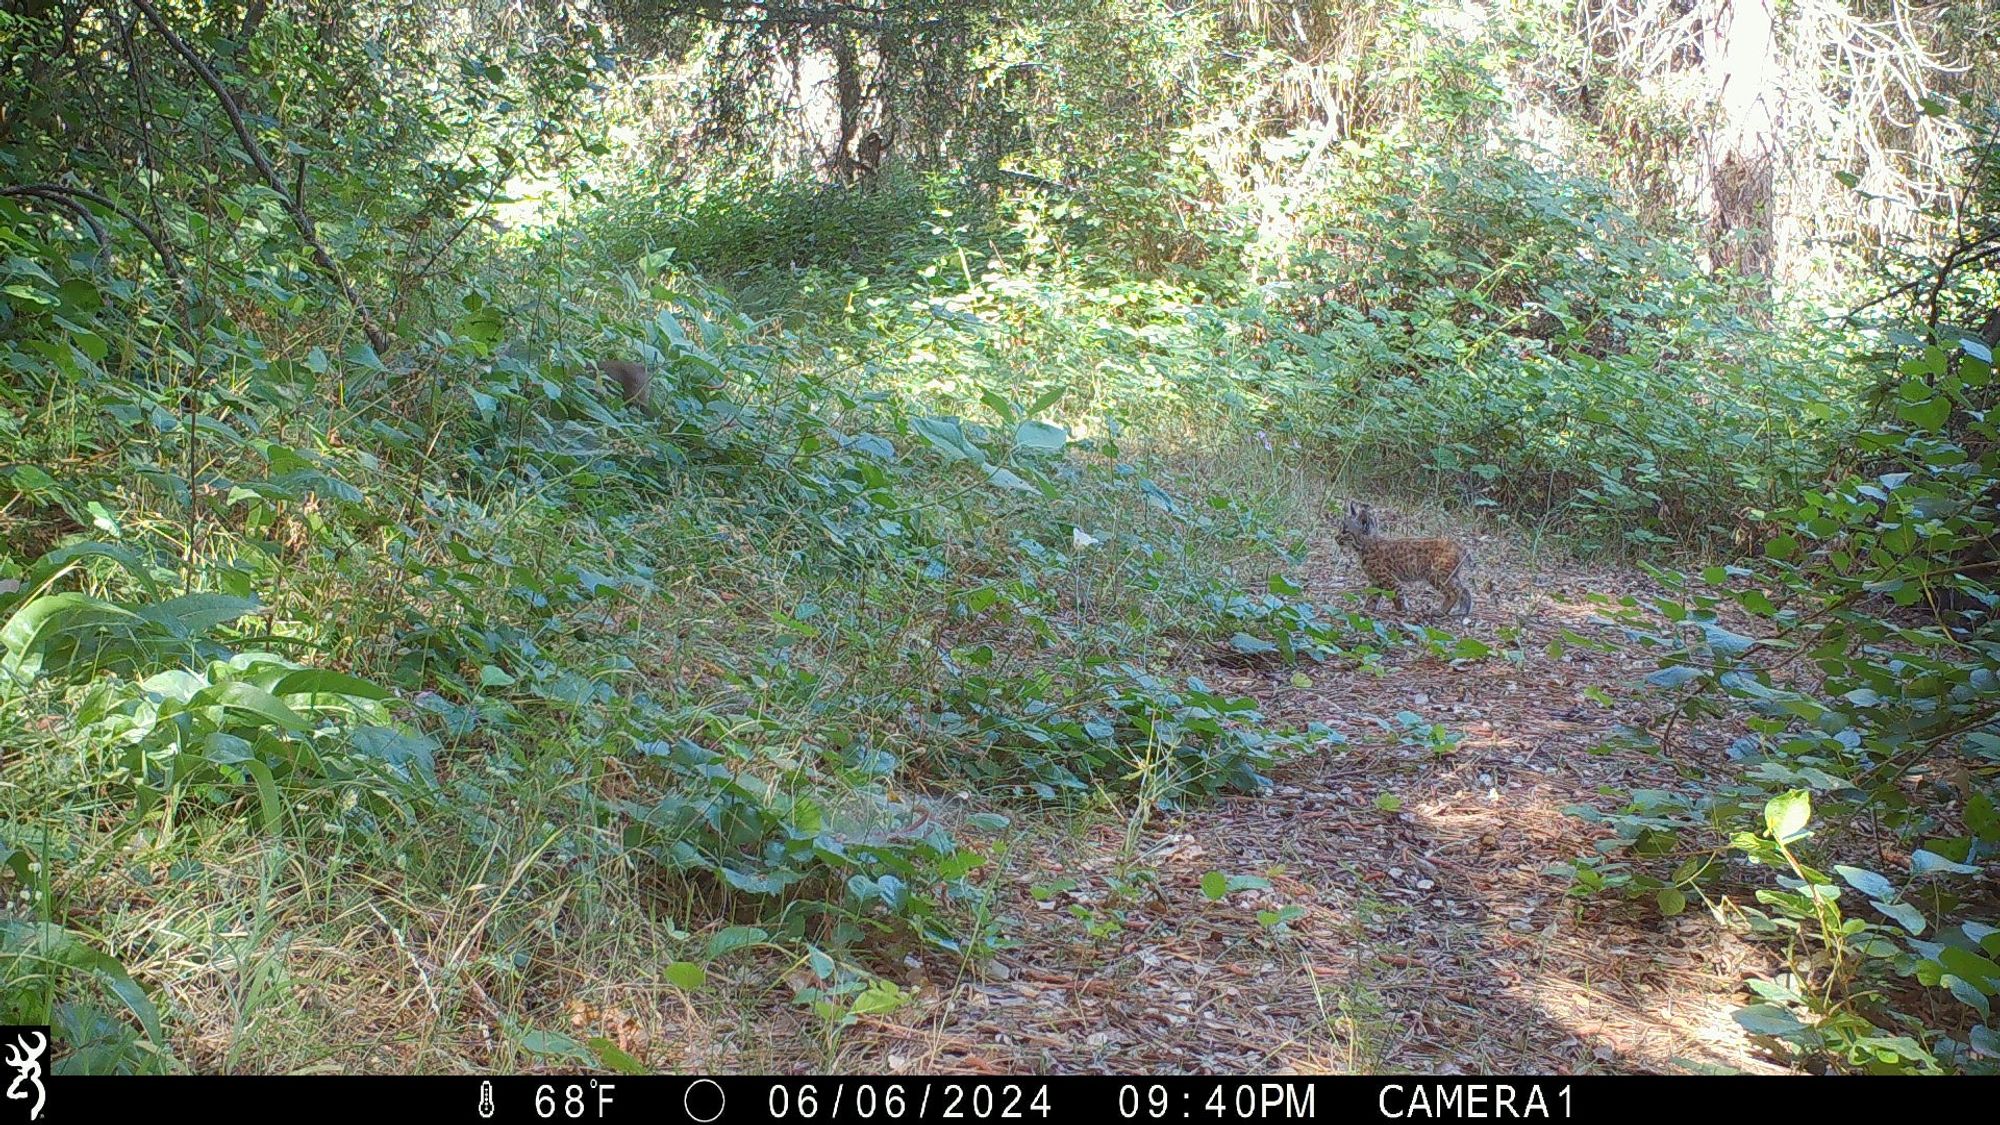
(847, 86)
(1740, 57)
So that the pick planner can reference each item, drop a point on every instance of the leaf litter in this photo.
(1418, 934)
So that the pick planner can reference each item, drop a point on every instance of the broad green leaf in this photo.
(1673, 677)
(1003, 478)
(319, 681)
(1985, 1041)
(1726, 642)
(734, 937)
(1982, 971)
(959, 864)
(35, 947)
(1968, 994)
(1865, 881)
(246, 698)
(177, 684)
(1766, 1019)
(268, 800)
(1924, 862)
(1040, 437)
(1255, 646)
(551, 1044)
(1157, 497)
(874, 445)
(34, 629)
(1929, 414)
(948, 437)
(124, 556)
(881, 996)
(226, 749)
(613, 1058)
(1906, 916)
(411, 756)
(998, 405)
(895, 893)
(1786, 816)
(192, 615)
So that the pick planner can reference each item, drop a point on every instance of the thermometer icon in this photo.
(486, 1099)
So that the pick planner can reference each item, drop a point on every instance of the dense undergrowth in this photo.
(1480, 329)
(318, 653)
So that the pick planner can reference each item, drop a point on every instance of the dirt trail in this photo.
(1430, 938)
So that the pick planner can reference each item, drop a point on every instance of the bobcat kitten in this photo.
(1390, 564)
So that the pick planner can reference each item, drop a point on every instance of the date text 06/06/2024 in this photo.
(976, 1101)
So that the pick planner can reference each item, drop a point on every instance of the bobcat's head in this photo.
(1357, 526)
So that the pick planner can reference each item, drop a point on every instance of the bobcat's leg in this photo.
(1455, 594)
(1463, 576)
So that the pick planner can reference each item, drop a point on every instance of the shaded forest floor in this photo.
(1429, 938)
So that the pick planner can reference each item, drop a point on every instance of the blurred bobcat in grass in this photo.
(1392, 564)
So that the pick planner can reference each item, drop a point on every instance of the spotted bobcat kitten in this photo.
(1391, 564)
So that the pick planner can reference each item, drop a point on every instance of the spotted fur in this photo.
(1392, 564)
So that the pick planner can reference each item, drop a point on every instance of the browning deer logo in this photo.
(25, 1048)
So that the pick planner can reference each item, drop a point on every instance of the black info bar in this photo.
(1100, 1100)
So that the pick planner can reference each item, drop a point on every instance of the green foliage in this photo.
(1871, 687)
(769, 836)
(774, 244)
(1119, 725)
(418, 609)
(40, 961)
(1518, 338)
(512, 511)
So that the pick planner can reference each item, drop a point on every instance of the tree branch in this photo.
(66, 205)
(255, 152)
(67, 197)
